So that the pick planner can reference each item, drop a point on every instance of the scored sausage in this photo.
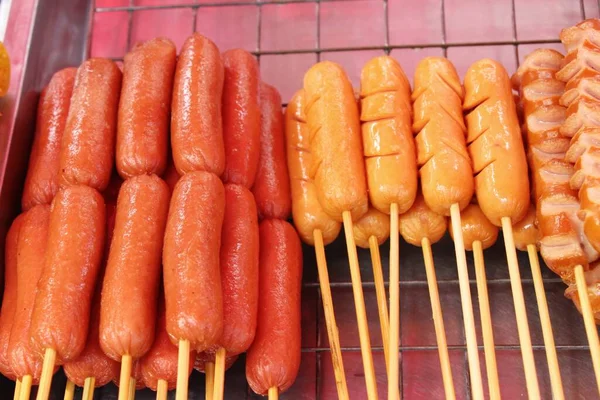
(334, 132)
(419, 223)
(88, 143)
(307, 213)
(9, 298)
(525, 232)
(241, 117)
(476, 227)
(273, 359)
(272, 185)
(41, 183)
(144, 108)
(373, 223)
(196, 123)
(130, 289)
(73, 258)
(191, 270)
(495, 144)
(30, 261)
(388, 144)
(440, 134)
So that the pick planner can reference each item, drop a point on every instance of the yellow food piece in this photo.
(4, 70)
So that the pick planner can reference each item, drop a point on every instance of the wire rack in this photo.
(290, 35)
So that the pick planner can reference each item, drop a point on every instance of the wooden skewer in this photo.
(25, 390)
(125, 376)
(70, 391)
(588, 319)
(131, 391)
(219, 374)
(533, 389)
(359, 304)
(162, 390)
(486, 322)
(88, 388)
(467, 305)
(438, 319)
(332, 329)
(46, 377)
(17, 389)
(183, 368)
(209, 380)
(393, 367)
(540, 294)
(273, 393)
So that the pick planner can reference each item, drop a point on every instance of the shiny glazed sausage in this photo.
(373, 223)
(144, 108)
(388, 145)
(88, 144)
(241, 117)
(525, 232)
(337, 165)
(196, 123)
(272, 185)
(307, 212)
(419, 223)
(476, 227)
(41, 183)
(128, 313)
(66, 287)
(273, 359)
(191, 270)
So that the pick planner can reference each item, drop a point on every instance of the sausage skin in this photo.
(191, 270)
(41, 183)
(196, 123)
(203, 358)
(144, 108)
(66, 287)
(373, 223)
(476, 227)
(273, 359)
(525, 232)
(272, 185)
(419, 222)
(88, 143)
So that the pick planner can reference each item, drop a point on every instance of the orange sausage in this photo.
(126, 320)
(333, 123)
(525, 232)
(144, 108)
(444, 164)
(273, 359)
(192, 279)
(196, 123)
(388, 145)
(30, 261)
(419, 223)
(241, 117)
(9, 298)
(66, 287)
(373, 223)
(307, 212)
(88, 144)
(476, 227)
(41, 183)
(272, 185)
(495, 144)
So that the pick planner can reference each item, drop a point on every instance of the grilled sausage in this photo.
(388, 145)
(144, 109)
(419, 223)
(88, 144)
(337, 165)
(444, 164)
(41, 183)
(476, 227)
(66, 287)
(273, 359)
(130, 289)
(272, 185)
(196, 123)
(373, 223)
(241, 117)
(307, 212)
(192, 279)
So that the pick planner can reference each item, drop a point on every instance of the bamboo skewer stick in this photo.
(88, 388)
(183, 367)
(126, 366)
(25, 390)
(70, 391)
(131, 391)
(273, 393)
(219, 380)
(209, 380)
(47, 371)
(18, 390)
(162, 390)
(393, 368)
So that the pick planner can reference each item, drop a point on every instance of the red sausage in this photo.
(273, 359)
(9, 299)
(272, 185)
(196, 124)
(41, 183)
(239, 269)
(66, 287)
(203, 358)
(130, 289)
(30, 261)
(144, 108)
(88, 144)
(192, 279)
(241, 117)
